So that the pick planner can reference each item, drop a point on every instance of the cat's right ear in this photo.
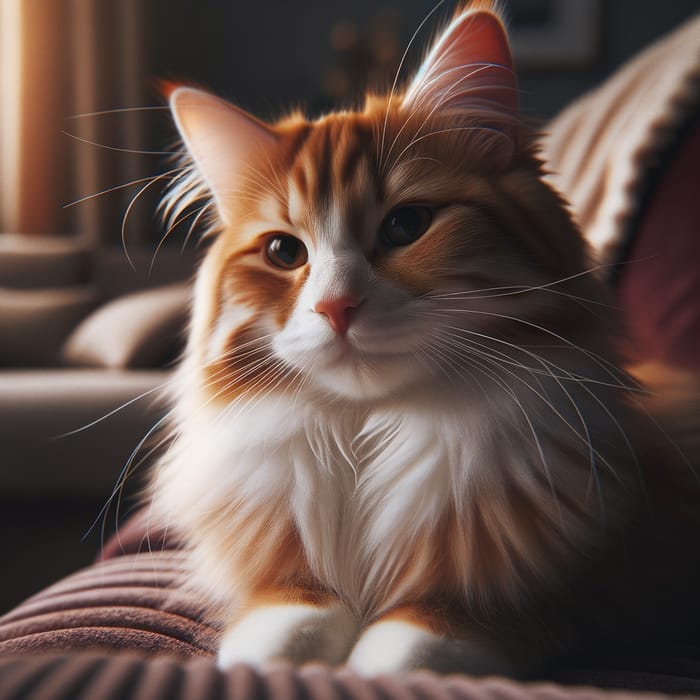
(220, 138)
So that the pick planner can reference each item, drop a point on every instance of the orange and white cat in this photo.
(401, 437)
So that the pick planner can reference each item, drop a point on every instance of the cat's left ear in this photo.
(470, 69)
(220, 138)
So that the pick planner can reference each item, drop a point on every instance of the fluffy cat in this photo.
(402, 438)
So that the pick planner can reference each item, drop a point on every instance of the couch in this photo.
(628, 158)
(81, 337)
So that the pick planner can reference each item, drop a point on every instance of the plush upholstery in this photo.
(135, 616)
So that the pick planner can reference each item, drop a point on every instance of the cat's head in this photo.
(366, 252)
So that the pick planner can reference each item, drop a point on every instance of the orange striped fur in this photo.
(427, 447)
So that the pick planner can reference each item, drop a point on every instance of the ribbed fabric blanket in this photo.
(127, 628)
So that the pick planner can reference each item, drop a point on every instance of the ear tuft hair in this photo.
(220, 139)
(469, 68)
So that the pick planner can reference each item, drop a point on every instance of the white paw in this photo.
(292, 633)
(394, 646)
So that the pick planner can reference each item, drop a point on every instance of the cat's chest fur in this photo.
(367, 490)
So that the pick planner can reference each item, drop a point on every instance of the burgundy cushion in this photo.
(659, 281)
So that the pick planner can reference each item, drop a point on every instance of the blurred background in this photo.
(84, 136)
(64, 60)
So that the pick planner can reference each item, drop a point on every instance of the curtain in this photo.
(61, 60)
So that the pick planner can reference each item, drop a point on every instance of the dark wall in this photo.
(626, 26)
(272, 54)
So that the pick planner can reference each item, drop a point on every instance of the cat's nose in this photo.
(339, 311)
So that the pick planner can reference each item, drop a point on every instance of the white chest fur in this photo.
(360, 485)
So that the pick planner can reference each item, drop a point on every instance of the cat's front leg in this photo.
(287, 627)
(413, 638)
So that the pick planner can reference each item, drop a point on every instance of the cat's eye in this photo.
(285, 251)
(404, 225)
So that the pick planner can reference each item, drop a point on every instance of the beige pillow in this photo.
(144, 329)
(35, 322)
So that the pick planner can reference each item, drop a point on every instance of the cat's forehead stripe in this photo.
(329, 176)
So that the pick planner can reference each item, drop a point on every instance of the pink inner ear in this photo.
(470, 66)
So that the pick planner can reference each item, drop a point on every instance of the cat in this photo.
(402, 435)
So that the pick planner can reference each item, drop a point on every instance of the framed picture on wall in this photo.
(554, 33)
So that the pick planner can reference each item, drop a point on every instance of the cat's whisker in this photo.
(232, 377)
(121, 484)
(538, 445)
(120, 110)
(240, 354)
(304, 372)
(130, 207)
(125, 469)
(193, 226)
(277, 185)
(392, 92)
(482, 290)
(541, 394)
(594, 357)
(445, 95)
(586, 437)
(167, 233)
(488, 129)
(266, 385)
(516, 290)
(253, 369)
(116, 188)
(109, 414)
(616, 384)
(134, 151)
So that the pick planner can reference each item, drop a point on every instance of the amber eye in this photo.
(285, 251)
(404, 225)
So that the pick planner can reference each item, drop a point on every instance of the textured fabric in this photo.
(602, 148)
(136, 603)
(133, 602)
(134, 331)
(89, 677)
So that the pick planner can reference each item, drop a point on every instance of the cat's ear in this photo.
(220, 138)
(469, 68)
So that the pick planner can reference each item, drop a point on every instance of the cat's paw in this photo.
(392, 646)
(290, 633)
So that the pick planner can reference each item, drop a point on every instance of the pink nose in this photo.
(339, 311)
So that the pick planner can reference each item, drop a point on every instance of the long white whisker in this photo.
(107, 147)
(396, 80)
(148, 108)
(160, 387)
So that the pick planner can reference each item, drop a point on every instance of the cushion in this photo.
(143, 329)
(30, 261)
(658, 281)
(627, 157)
(149, 636)
(602, 147)
(35, 322)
